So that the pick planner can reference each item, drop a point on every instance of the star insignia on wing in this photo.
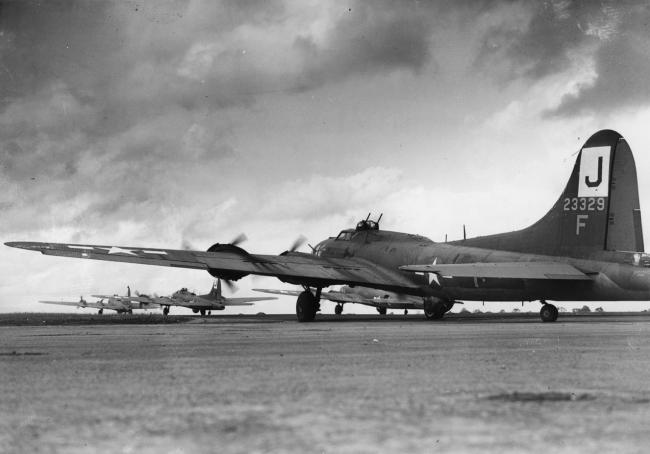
(434, 276)
(119, 250)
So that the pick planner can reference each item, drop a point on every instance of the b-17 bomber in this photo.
(212, 301)
(588, 247)
(119, 304)
(382, 300)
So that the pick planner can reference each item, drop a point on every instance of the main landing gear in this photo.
(100, 312)
(435, 309)
(166, 310)
(381, 310)
(338, 309)
(548, 312)
(307, 305)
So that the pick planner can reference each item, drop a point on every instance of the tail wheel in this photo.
(306, 307)
(548, 313)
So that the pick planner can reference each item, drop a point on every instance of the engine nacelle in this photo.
(227, 275)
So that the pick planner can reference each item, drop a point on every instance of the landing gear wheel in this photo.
(434, 310)
(100, 312)
(202, 311)
(166, 310)
(406, 311)
(338, 309)
(306, 307)
(381, 310)
(548, 313)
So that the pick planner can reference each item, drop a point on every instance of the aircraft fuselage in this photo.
(614, 275)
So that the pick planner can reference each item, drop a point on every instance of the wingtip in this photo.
(19, 244)
(29, 245)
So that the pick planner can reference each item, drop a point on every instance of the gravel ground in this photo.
(350, 384)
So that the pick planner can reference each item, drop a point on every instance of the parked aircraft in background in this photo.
(382, 300)
(128, 302)
(213, 301)
(118, 304)
(588, 247)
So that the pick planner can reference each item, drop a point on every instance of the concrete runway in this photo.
(341, 384)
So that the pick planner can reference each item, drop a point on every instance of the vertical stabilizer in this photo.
(598, 210)
(216, 289)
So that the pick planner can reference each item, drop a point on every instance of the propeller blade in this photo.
(232, 287)
(297, 244)
(239, 239)
(186, 245)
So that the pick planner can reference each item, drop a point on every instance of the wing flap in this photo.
(504, 270)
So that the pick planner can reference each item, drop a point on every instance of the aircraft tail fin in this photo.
(598, 210)
(216, 289)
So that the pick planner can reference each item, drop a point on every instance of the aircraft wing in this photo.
(147, 300)
(123, 299)
(339, 297)
(295, 267)
(246, 301)
(74, 303)
(504, 270)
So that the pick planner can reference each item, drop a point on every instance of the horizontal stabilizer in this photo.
(505, 270)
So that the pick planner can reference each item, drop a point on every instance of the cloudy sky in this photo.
(158, 123)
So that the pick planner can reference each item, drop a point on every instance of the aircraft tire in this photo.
(166, 310)
(100, 312)
(202, 312)
(306, 307)
(338, 309)
(434, 310)
(381, 310)
(406, 311)
(548, 313)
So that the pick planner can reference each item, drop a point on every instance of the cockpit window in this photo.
(344, 236)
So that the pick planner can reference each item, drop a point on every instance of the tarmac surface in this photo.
(497, 383)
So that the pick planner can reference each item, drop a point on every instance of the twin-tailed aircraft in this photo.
(213, 301)
(588, 247)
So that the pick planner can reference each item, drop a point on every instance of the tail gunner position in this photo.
(589, 246)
